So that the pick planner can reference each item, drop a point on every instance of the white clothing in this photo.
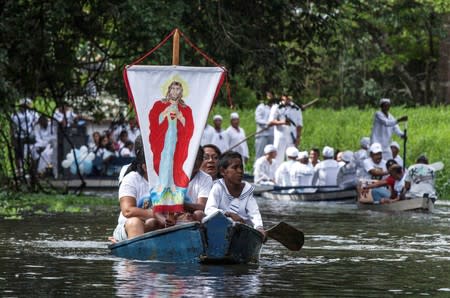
(370, 165)
(124, 152)
(262, 114)
(346, 177)
(422, 180)
(325, 172)
(43, 149)
(283, 173)
(245, 205)
(69, 117)
(264, 172)
(236, 136)
(199, 187)
(221, 140)
(301, 174)
(133, 133)
(284, 135)
(207, 135)
(133, 185)
(24, 123)
(399, 160)
(359, 157)
(122, 172)
(382, 129)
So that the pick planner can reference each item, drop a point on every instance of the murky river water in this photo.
(347, 252)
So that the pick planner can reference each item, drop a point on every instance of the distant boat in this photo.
(217, 240)
(312, 195)
(415, 204)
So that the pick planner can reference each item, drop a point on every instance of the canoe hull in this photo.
(416, 204)
(339, 195)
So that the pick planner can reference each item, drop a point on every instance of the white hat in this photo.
(25, 101)
(302, 155)
(292, 152)
(217, 117)
(395, 144)
(385, 100)
(269, 148)
(347, 156)
(328, 152)
(234, 115)
(365, 142)
(376, 148)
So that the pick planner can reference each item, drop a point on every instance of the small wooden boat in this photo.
(414, 204)
(217, 240)
(317, 195)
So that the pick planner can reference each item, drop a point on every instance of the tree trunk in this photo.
(444, 63)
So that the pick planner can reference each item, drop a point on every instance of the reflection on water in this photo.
(347, 252)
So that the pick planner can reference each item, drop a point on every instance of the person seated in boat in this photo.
(136, 216)
(346, 177)
(314, 155)
(301, 172)
(395, 149)
(265, 166)
(232, 196)
(198, 189)
(283, 172)
(420, 180)
(325, 172)
(360, 155)
(373, 190)
(211, 154)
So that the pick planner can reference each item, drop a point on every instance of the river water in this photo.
(347, 252)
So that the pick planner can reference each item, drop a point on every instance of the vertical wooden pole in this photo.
(176, 48)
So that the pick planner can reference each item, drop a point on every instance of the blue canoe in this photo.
(216, 240)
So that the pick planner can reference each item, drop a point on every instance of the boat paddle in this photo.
(404, 144)
(437, 166)
(287, 235)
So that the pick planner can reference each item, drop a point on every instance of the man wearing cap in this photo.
(346, 177)
(384, 124)
(236, 135)
(265, 167)
(264, 132)
(301, 172)
(420, 180)
(375, 165)
(283, 172)
(23, 122)
(361, 155)
(288, 121)
(219, 137)
(395, 149)
(325, 172)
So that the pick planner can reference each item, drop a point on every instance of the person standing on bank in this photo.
(288, 121)
(235, 135)
(264, 133)
(384, 124)
(219, 137)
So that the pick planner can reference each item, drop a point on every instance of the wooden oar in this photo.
(248, 137)
(287, 235)
(404, 144)
(306, 105)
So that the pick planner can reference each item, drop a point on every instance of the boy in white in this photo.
(395, 149)
(283, 173)
(207, 135)
(265, 167)
(219, 136)
(325, 172)
(232, 196)
(301, 172)
(198, 189)
(236, 135)
(346, 177)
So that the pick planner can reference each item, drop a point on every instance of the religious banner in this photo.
(172, 105)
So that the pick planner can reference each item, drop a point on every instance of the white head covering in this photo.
(365, 142)
(217, 117)
(395, 144)
(25, 101)
(328, 152)
(292, 152)
(347, 156)
(376, 148)
(234, 115)
(302, 155)
(269, 148)
(385, 100)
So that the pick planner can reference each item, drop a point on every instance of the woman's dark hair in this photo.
(390, 162)
(214, 147)
(136, 164)
(224, 160)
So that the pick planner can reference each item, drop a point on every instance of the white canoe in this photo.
(418, 204)
(319, 195)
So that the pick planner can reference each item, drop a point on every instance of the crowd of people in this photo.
(38, 138)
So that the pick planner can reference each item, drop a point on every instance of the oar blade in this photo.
(287, 235)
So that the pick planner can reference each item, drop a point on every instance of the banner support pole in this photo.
(176, 48)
